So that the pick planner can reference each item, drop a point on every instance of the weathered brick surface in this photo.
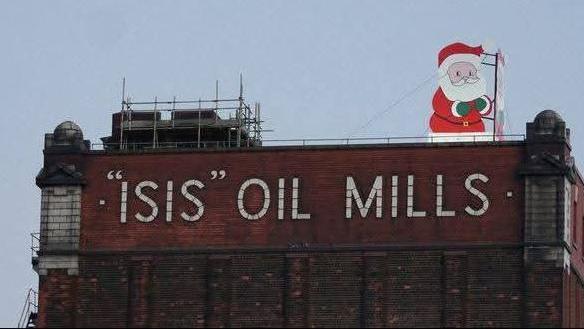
(296, 300)
(218, 291)
(335, 285)
(257, 288)
(414, 280)
(57, 298)
(374, 290)
(455, 283)
(475, 287)
(105, 300)
(323, 175)
(176, 287)
(573, 301)
(328, 271)
(494, 286)
(544, 298)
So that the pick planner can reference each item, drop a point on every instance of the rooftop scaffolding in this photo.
(230, 122)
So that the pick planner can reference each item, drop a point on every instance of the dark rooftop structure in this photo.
(216, 123)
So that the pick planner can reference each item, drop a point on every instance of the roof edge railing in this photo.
(302, 142)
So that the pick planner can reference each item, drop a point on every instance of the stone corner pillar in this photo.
(548, 177)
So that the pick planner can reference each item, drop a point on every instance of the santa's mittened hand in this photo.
(480, 103)
(462, 109)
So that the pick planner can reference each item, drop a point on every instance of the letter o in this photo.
(241, 194)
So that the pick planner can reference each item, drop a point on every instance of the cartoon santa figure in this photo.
(460, 103)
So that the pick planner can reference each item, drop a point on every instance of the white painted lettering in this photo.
(477, 193)
(440, 212)
(295, 197)
(411, 211)
(241, 195)
(394, 191)
(352, 193)
(281, 184)
(147, 200)
(200, 206)
(124, 202)
(169, 201)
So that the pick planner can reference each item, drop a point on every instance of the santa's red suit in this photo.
(447, 120)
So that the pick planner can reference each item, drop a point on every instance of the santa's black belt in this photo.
(463, 123)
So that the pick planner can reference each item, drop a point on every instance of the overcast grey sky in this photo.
(319, 68)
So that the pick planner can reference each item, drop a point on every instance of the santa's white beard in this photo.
(464, 93)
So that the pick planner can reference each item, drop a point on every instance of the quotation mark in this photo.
(218, 174)
(114, 174)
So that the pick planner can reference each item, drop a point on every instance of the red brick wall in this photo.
(577, 222)
(327, 271)
(573, 315)
(544, 289)
(57, 300)
(323, 178)
(573, 301)
(392, 288)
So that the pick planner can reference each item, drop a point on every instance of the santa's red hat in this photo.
(458, 52)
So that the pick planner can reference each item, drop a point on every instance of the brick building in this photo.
(163, 231)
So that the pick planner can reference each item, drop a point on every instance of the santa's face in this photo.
(462, 81)
(461, 73)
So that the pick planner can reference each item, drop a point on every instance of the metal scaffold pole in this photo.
(495, 97)
(155, 137)
(199, 126)
(122, 114)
